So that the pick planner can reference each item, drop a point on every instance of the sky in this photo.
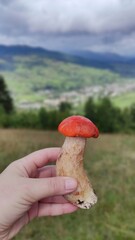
(70, 25)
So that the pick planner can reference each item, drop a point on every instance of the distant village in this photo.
(52, 100)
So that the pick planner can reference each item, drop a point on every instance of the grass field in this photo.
(110, 163)
(124, 100)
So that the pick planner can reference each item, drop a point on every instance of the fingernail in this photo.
(70, 184)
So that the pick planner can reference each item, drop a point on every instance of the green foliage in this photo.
(90, 110)
(2, 116)
(65, 107)
(132, 116)
(43, 118)
(132, 112)
(27, 119)
(107, 117)
(40, 119)
(5, 98)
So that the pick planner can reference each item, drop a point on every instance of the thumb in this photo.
(47, 187)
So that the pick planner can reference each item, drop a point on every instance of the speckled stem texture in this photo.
(70, 163)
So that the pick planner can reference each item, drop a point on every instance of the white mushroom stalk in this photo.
(70, 163)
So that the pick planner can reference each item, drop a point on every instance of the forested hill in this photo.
(35, 74)
(123, 65)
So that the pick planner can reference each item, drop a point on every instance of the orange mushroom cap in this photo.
(78, 126)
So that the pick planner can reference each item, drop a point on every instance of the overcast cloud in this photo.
(99, 25)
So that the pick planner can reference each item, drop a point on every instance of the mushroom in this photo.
(70, 160)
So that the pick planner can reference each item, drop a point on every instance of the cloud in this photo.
(65, 16)
(68, 23)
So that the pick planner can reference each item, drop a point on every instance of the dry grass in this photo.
(110, 163)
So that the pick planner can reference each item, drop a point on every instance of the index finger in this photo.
(39, 159)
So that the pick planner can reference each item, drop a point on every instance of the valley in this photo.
(39, 78)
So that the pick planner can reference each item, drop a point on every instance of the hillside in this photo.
(36, 76)
(114, 62)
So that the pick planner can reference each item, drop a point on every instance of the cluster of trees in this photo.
(39, 119)
(110, 118)
(103, 113)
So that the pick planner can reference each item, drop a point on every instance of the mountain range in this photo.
(120, 64)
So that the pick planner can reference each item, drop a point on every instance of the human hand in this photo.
(28, 190)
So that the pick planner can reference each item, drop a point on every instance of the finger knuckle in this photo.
(54, 185)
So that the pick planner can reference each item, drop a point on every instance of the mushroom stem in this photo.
(70, 163)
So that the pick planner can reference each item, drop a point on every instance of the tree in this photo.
(132, 115)
(43, 118)
(65, 107)
(109, 117)
(90, 110)
(5, 99)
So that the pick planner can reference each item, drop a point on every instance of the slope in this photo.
(34, 74)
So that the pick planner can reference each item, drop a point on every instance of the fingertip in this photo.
(40, 158)
(70, 208)
(70, 184)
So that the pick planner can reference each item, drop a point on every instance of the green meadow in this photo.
(124, 100)
(110, 164)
